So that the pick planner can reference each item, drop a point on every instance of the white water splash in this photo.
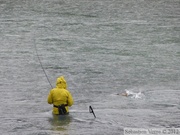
(138, 95)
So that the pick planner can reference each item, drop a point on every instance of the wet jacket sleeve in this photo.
(70, 99)
(49, 99)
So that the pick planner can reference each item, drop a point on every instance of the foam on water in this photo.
(132, 94)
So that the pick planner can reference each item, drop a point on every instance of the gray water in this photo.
(102, 47)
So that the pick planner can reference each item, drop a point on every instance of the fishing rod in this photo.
(42, 65)
(90, 108)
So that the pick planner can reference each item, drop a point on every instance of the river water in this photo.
(102, 47)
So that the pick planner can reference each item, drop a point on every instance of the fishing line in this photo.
(90, 108)
(42, 65)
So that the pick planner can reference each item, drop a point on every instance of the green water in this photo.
(102, 48)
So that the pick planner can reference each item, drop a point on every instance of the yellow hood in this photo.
(61, 82)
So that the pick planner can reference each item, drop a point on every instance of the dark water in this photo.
(102, 48)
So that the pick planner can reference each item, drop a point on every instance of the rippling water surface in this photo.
(102, 48)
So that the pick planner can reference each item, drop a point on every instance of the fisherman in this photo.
(60, 97)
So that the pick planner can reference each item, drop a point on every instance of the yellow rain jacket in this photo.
(60, 95)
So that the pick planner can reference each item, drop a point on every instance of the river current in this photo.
(102, 48)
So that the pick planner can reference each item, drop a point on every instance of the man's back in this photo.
(60, 96)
